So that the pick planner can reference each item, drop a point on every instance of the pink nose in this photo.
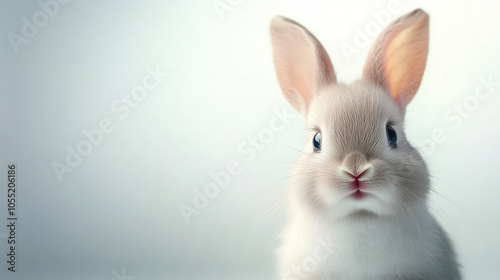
(357, 184)
(358, 176)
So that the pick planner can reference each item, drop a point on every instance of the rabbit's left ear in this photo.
(397, 60)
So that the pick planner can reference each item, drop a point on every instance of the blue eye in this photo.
(317, 142)
(392, 137)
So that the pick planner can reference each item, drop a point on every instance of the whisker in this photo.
(270, 210)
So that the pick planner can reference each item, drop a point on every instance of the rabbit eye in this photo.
(392, 136)
(317, 142)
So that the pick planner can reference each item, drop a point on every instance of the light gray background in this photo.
(118, 209)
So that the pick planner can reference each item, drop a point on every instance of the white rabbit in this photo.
(358, 192)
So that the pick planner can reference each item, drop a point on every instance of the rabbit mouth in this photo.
(358, 194)
(358, 188)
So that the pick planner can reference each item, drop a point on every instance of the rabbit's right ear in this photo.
(301, 63)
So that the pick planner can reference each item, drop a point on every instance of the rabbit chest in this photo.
(362, 248)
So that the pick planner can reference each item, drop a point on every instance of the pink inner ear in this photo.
(397, 60)
(302, 69)
(302, 65)
(405, 59)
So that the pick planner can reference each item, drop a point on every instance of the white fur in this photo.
(388, 233)
(405, 246)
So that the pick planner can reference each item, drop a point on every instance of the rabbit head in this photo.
(356, 160)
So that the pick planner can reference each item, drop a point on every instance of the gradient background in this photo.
(118, 209)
